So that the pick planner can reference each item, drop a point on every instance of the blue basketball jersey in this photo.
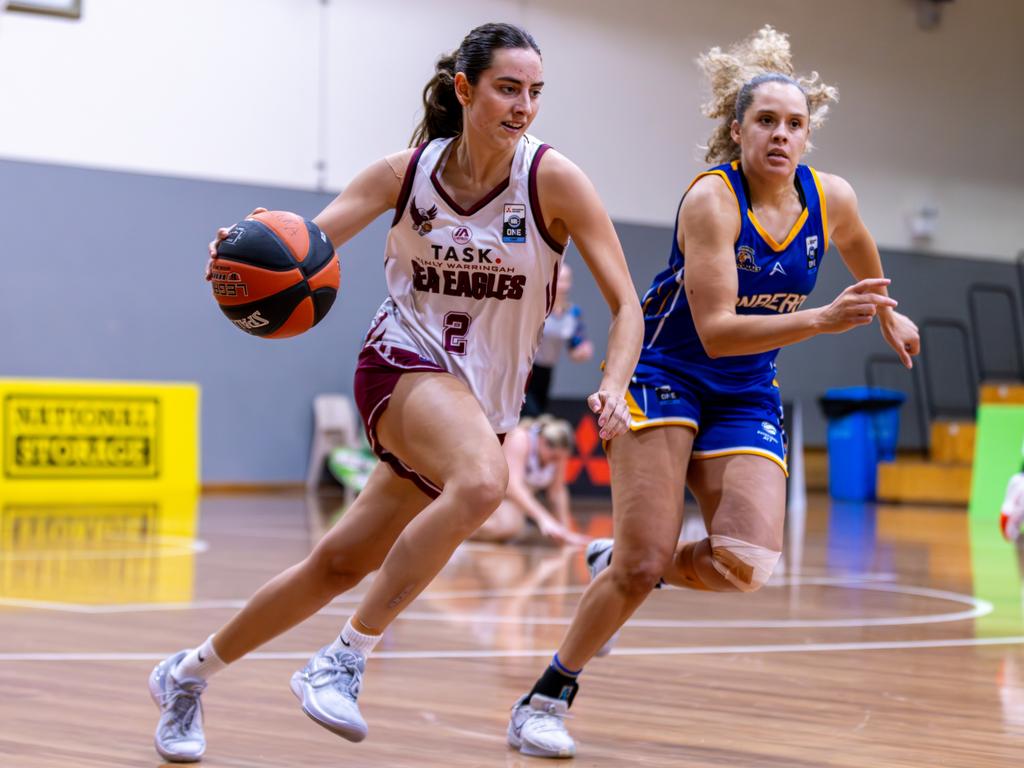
(773, 278)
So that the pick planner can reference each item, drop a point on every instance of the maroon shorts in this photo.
(376, 377)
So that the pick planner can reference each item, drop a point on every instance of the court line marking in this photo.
(978, 608)
(895, 645)
(102, 608)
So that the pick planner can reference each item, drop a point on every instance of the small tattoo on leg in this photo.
(397, 599)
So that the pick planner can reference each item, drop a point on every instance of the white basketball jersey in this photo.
(469, 288)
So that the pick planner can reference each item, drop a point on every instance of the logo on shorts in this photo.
(421, 217)
(745, 259)
(812, 252)
(767, 432)
(513, 229)
(462, 235)
(665, 393)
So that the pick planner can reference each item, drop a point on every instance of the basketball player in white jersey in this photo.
(538, 452)
(482, 215)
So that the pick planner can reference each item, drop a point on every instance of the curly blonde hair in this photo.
(735, 75)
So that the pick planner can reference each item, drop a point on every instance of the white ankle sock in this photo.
(351, 640)
(199, 663)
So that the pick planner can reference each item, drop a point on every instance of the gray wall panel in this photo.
(101, 277)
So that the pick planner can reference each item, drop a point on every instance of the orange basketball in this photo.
(275, 275)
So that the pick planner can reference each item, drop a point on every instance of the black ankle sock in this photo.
(556, 685)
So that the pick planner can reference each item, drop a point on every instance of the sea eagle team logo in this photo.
(421, 217)
(745, 259)
(812, 252)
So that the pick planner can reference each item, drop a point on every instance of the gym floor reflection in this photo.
(888, 636)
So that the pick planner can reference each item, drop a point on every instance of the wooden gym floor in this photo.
(888, 637)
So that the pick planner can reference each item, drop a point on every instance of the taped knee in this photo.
(744, 565)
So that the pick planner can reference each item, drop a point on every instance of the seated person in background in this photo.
(562, 328)
(537, 452)
(1011, 515)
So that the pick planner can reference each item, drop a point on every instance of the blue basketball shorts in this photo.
(728, 420)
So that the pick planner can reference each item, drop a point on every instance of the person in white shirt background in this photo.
(562, 328)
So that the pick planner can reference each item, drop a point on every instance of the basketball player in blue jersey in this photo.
(750, 237)
(482, 214)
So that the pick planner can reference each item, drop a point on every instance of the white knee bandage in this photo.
(744, 565)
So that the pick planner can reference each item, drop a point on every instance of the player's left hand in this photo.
(612, 413)
(902, 335)
(582, 352)
(560, 534)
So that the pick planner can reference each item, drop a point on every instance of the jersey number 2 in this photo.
(456, 326)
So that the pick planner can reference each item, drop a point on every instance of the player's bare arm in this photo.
(572, 208)
(710, 221)
(373, 191)
(860, 254)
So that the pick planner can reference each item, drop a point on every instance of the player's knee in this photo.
(744, 565)
(336, 572)
(478, 493)
(635, 576)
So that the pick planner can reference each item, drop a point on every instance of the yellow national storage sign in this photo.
(97, 436)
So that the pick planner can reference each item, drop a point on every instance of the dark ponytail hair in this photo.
(442, 112)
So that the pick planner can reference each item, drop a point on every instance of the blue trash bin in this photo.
(863, 429)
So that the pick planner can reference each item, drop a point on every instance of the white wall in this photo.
(262, 90)
(222, 89)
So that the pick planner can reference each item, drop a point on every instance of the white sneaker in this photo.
(179, 734)
(599, 557)
(327, 688)
(537, 727)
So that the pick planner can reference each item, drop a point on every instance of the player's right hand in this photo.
(612, 413)
(222, 234)
(856, 306)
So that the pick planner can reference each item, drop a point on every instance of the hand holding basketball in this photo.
(222, 234)
(274, 274)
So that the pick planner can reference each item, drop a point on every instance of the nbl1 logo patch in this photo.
(812, 252)
(513, 224)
